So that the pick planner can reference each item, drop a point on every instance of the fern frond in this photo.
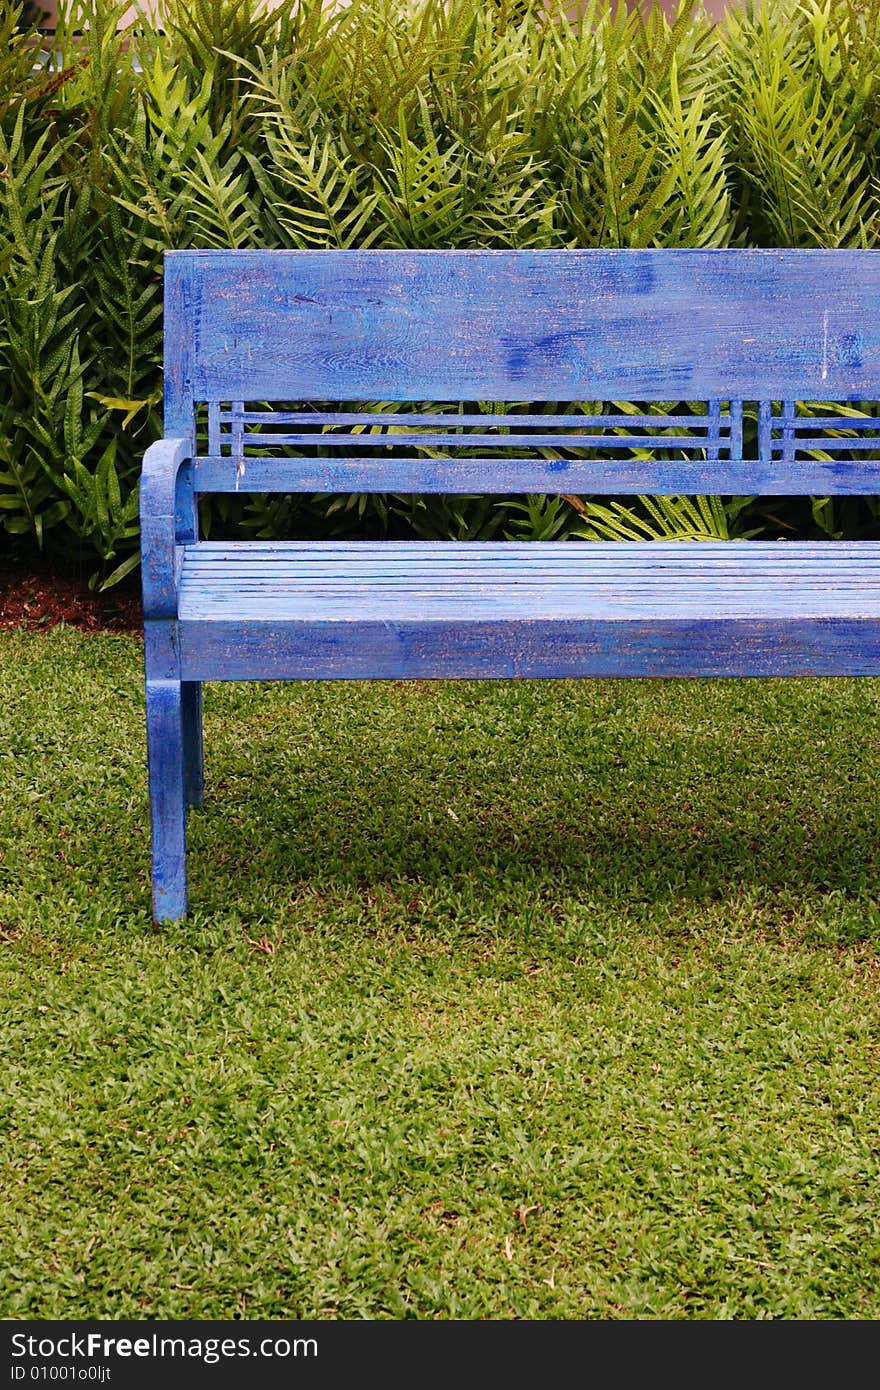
(695, 148)
(661, 518)
(322, 199)
(796, 148)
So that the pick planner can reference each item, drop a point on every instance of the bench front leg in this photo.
(173, 706)
(165, 765)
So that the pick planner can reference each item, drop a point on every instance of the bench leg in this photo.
(193, 754)
(165, 763)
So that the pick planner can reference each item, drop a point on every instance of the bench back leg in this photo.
(165, 764)
(193, 752)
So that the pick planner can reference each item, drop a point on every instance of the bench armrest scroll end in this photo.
(161, 465)
(159, 562)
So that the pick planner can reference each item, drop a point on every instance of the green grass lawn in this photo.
(496, 1001)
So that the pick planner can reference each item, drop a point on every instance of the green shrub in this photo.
(397, 125)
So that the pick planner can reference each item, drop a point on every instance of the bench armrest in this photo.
(159, 557)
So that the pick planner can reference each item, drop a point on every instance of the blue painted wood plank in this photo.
(837, 422)
(537, 325)
(165, 763)
(803, 439)
(705, 434)
(769, 477)
(177, 330)
(318, 418)
(788, 416)
(214, 428)
(522, 550)
(765, 428)
(532, 649)
(716, 431)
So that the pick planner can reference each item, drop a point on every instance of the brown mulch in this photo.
(32, 597)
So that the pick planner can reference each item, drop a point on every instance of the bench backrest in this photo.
(277, 353)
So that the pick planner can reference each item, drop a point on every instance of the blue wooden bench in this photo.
(272, 358)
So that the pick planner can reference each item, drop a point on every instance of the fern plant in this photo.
(182, 181)
(38, 348)
(389, 123)
(809, 178)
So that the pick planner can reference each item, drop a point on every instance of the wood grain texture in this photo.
(504, 475)
(532, 649)
(649, 325)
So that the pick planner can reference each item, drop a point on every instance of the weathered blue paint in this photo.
(280, 351)
(812, 477)
(165, 763)
(529, 648)
(591, 452)
(535, 325)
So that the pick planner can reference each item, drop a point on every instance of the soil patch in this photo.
(31, 597)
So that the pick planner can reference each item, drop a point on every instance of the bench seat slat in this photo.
(516, 603)
(824, 554)
(502, 583)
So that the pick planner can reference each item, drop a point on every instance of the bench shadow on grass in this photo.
(643, 830)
